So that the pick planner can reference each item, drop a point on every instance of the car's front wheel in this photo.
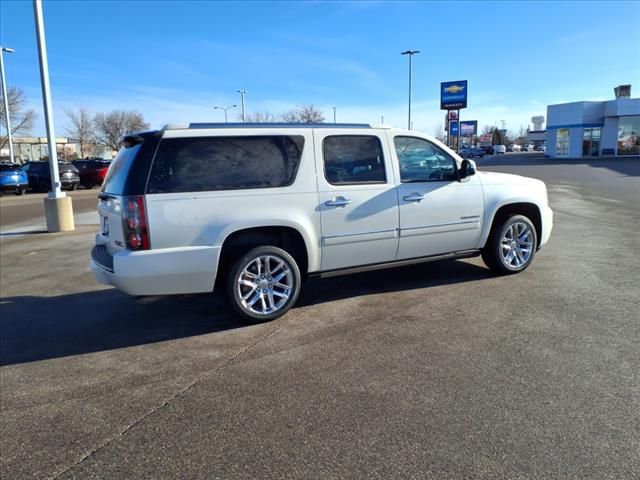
(264, 284)
(511, 245)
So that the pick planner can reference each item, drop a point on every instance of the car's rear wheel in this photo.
(21, 191)
(264, 284)
(511, 245)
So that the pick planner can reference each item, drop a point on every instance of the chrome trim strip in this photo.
(359, 233)
(439, 225)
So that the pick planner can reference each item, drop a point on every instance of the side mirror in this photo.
(467, 168)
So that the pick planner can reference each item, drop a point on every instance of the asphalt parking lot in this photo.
(436, 371)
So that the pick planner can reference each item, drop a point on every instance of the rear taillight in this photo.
(134, 223)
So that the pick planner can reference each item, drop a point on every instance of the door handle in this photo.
(414, 197)
(338, 202)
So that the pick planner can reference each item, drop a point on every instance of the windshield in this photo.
(119, 170)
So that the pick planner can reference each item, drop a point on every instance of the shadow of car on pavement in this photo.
(37, 328)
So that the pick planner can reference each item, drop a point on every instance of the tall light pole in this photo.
(57, 207)
(411, 53)
(242, 94)
(6, 99)
(334, 114)
(225, 111)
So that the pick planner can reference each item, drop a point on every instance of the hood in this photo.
(494, 178)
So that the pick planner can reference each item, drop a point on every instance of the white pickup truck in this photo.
(256, 208)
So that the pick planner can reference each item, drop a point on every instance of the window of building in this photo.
(353, 159)
(562, 142)
(225, 163)
(422, 161)
(591, 142)
(629, 135)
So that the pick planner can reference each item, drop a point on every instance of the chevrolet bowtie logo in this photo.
(454, 89)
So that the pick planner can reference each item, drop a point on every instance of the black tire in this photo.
(492, 253)
(21, 191)
(235, 291)
(74, 186)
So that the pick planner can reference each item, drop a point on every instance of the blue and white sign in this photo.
(453, 95)
(453, 128)
(468, 128)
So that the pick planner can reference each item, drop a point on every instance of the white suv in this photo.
(258, 207)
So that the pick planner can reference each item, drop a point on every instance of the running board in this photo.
(397, 263)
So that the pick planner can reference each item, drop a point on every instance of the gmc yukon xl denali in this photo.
(256, 208)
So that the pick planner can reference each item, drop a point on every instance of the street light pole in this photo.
(57, 207)
(242, 94)
(225, 111)
(334, 114)
(411, 53)
(6, 99)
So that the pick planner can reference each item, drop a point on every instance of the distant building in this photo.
(36, 148)
(590, 129)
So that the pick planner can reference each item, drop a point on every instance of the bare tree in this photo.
(81, 127)
(259, 117)
(22, 120)
(438, 132)
(111, 127)
(306, 113)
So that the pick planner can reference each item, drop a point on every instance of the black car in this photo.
(40, 176)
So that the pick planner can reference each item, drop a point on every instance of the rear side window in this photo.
(225, 163)
(116, 178)
(353, 159)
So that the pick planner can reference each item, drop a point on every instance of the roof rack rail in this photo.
(266, 125)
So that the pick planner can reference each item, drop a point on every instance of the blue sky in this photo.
(173, 61)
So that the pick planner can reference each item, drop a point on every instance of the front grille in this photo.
(102, 257)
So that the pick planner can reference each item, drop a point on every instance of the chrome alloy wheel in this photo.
(516, 245)
(265, 285)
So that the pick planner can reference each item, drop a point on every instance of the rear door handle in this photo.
(414, 197)
(338, 202)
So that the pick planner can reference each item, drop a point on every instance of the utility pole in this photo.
(242, 94)
(6, 99)
(58, 208)
(411, 53)
(334, 114)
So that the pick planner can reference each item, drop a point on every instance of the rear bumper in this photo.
(12, 187)
(158, 272)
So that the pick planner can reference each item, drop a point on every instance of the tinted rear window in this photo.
(9, 168)
(116, 178)
(225, 163)
(66, 167)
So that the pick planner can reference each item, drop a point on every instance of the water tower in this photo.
(537, 121)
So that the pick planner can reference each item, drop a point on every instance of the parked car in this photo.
(92, 171)
(13, 179)
(256, 209)
(499, 149)
(477, 152)
(528, 147)
(513, 148)
(40, 176)
(466, 152)
(541, 148)
(488, 149)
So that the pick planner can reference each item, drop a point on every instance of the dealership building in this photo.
(591, 129)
